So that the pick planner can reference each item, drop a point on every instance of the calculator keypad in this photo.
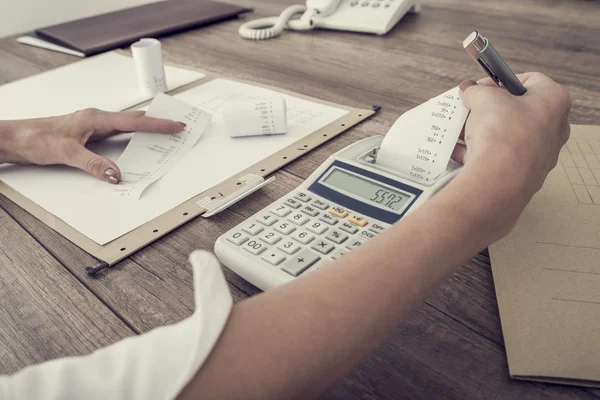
(303, 231)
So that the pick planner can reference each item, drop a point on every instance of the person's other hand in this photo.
(62, 139)
(514, 140)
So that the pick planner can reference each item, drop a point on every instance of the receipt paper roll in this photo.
(149, 64)
(255, 116)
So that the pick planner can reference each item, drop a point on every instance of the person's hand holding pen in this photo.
(515, 140)
(62, 139)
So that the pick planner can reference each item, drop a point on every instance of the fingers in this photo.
(98, 166)
(459, 153)
(468, 90)
(129, 121)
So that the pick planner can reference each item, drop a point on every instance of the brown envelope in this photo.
(547, 272)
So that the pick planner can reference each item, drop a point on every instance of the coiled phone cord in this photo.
(267, 28)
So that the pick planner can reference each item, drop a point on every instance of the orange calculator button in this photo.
(338, 212)
(356, 220)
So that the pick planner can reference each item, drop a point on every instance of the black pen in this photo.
(485, 55)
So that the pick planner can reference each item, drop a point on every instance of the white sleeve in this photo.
(155, 365)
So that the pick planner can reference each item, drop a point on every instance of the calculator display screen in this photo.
(366, 190)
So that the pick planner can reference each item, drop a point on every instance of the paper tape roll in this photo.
(255, 116)
(148, 59)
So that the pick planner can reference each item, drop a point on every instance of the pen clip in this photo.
(490, 72)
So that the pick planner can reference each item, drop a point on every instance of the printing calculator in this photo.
(346, 202)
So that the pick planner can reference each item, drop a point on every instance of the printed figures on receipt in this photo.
(149, 64)
(420, 143)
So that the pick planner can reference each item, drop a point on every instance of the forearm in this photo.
(8, 139)
(298, 340)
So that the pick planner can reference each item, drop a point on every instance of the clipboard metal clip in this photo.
(247, 185)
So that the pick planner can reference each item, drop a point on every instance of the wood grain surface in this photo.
(453, 347)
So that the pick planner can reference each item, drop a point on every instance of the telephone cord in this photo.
(267, 28)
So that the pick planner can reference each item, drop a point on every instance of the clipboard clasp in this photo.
(248, 184)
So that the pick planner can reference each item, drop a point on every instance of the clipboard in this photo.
(207, 203)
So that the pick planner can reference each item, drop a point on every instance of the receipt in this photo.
(420, 143)
(149, 156)
(255, 116)
(149, 64)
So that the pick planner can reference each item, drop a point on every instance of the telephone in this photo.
(367, 16)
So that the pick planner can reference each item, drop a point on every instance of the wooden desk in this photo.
(453, 347)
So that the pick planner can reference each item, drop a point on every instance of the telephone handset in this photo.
(368, 16)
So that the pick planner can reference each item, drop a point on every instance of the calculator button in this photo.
(300, 262)
(354, 3)
(270, 237)
(375, 5)
(285, 228)
(320, 204)
(317, 227)
(237, 238)
(303, 237)
(337, 237)
(329, 219)
(365, 4)
(289, 247)
(310, 210)
(293, 203)
(377, 228)
(322, 246)
(338, 254)
(360, 221)
(281, 211)
(255, 247)
(386, 6)
(273, 257)
(302, 197)
(267, 219)
(366, 235)
(338, 212)
(348, 227)
(354, 244)
(298, 219)
(253, 229)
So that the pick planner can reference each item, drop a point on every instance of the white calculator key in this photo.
(255, 247)
(322, 246)
(300, 262)
(267, 219)
(237, 238)
(338, 254)
(302, 196)
(293, 203)
(320, 204)
(269, 237)
(377, 228)
(273, 257)
(315, 226)
(288, 246)
(337, 237)
(284, 227)
(353, 244)
(329, 219)
(310, 210)
(253, 228)
(303, 237)
(281, 211)
(366, 235)
(298, 218)
(348, 227)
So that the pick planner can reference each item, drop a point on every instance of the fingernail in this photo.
(182, 125)
(464, 85)
(111, 175)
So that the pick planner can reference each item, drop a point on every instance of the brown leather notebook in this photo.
(122, 28)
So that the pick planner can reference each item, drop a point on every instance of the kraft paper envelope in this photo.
(547, 272)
